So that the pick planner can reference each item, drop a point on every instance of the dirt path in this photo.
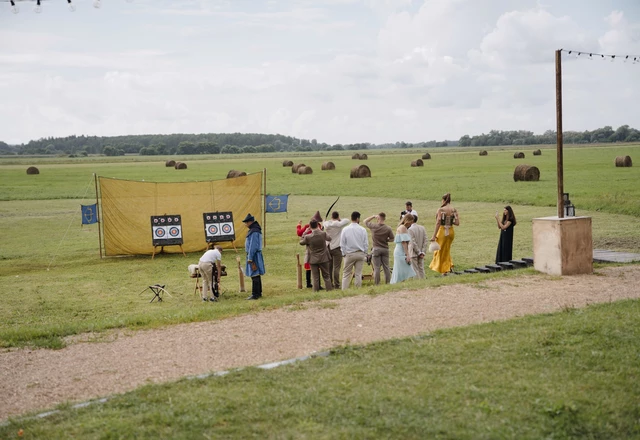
(38, 379)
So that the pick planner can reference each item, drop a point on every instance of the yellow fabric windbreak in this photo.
(127, 207)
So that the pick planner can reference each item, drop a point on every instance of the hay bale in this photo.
(33, 170)
(360, 171)
(328, 166)
(426, 156)
(537, 153)
(356, 156)
(363, 156)
(526, 173)
(305, 170)
(180, 166)
(295, 166)
(417, 163)
(287, 163)
(235, 173)
(484, 153)
(518, 155)
(170, 163)
(623, 161)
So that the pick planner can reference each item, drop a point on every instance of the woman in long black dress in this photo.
(506, 224)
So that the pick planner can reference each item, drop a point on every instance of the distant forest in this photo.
(238, 143)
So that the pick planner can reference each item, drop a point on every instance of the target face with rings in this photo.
(160, 232)
(226, 228)
(174, 232)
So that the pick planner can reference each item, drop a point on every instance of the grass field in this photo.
(570, 375)
(54, 284)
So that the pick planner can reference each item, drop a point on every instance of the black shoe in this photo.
(309, 287)
(213, 299)
(320, 288)
(205, 299)
(254, 297)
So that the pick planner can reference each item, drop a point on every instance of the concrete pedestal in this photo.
(562, 246)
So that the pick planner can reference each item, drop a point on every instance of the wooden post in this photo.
(264, 208)
(95, 178)
(559, 140)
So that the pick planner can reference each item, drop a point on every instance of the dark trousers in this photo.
(321, 269)
(256, 286)
(336, 264)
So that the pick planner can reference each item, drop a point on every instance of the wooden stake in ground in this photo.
(240, 275)
(299, 270)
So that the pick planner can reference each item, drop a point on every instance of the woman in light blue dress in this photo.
(402, 255)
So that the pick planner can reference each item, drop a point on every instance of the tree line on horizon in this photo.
(239, 143)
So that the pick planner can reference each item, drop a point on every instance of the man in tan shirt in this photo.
(419, 245)
(381, 235)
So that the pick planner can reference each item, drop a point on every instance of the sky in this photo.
(338, 71)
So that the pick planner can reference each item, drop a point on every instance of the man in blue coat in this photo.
(255, 262)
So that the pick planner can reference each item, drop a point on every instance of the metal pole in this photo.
(95, 178)
(560, 169)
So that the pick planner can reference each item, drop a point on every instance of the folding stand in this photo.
(157, 290)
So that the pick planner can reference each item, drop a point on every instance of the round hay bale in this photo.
(518, 155)
(537, 153)
(287, 163)
(623, 161)
(526, 173)
(360, 171)
(235, 173)
(426, 156)
(305, 170)
(180, 166)
(33, 170)
(356, 156)
(170, 163)
(417, 163)
(363, 156)
(484, 153)
(295, 166)
(328, 166)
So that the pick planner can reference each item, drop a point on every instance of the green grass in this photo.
(53, 284)
(572, 374)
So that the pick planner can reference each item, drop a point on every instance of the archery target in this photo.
(213, 230)
(226, 228)
(166, 230)
(218, 226)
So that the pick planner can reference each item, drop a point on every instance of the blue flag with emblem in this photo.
(89, 214)
(277, 203)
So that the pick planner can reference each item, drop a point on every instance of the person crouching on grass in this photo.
(205, 266)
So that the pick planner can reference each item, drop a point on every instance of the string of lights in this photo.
(13, 4)
(634, 59)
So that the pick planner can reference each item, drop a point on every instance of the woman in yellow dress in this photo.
(446, 218)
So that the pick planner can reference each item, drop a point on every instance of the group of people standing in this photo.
(339, 239)
(330, 243)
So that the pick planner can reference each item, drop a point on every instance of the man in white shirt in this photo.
(354, 243)
(205, 265)
(409, 210)
(333, 228)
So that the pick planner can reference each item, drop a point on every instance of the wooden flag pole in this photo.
(559, 141)
(264, 208)
(95, 178)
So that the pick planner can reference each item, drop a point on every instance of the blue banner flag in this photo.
(277, 203)
(89, 214)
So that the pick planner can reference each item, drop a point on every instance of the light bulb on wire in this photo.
(14, 8)
(97, 4)
(71, 6)
(38, 8)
